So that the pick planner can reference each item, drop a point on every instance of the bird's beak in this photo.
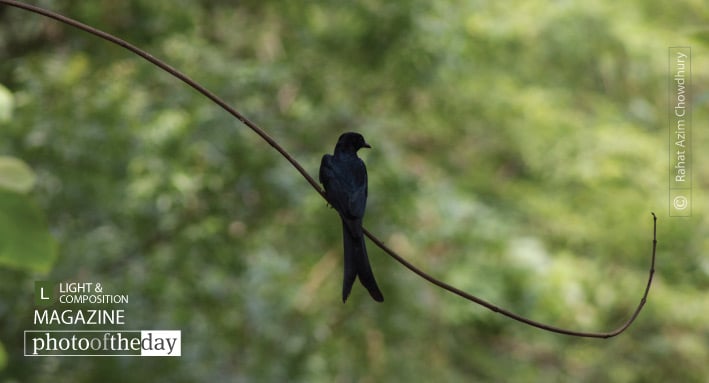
(366, 145)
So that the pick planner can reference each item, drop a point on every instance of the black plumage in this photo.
(344, 177)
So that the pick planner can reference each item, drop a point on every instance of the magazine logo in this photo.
(82, 307)
(102, 343)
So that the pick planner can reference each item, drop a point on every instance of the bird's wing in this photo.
(357, 201)
(335, 188)
(346, 190)
(326, 172)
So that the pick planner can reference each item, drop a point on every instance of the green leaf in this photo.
(3, 357)
(25, 241)
(6, 103)
(15, 175)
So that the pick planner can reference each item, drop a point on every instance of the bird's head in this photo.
(351, 141)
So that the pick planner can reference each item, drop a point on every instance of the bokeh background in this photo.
(518, 150)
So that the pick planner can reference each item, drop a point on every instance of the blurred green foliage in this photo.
(25, 243)
(518, 151)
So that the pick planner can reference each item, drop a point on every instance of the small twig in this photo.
(316, 186)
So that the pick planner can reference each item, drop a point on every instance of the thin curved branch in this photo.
(520, 318)
(167, 68)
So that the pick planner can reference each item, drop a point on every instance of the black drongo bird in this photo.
(344, 177)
